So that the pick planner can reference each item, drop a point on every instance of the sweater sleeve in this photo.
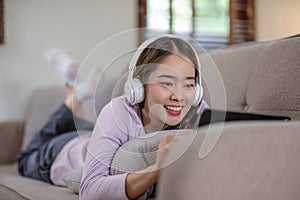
(112, 129)
(202, 107)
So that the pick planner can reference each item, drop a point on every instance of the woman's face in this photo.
(170, 91)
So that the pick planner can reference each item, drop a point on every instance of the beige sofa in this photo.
(244, 160)
(254, 160)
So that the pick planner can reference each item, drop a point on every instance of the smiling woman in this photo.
(162, 90)
(174, 79)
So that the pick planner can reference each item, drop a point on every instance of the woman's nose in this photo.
(177, 94)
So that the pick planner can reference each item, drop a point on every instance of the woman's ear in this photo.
(140, 78)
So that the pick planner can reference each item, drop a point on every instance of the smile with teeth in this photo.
(174, 108)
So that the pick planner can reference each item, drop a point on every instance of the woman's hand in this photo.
(137, 183)
(163, 150)
(164, 146)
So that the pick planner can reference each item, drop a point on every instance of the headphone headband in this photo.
(145, 44)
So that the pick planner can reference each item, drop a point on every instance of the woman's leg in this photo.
(37, 163)
(64, 64)
(36, 159)
(68, 116)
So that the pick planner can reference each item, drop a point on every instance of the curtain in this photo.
(242, 27)
(1, 22)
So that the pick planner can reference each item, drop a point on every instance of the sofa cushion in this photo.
(73, 179)
(260, 77)
(14, 186)
(10, 133)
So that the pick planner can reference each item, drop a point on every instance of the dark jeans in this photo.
(36, 159)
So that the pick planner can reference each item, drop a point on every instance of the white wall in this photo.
(34, 26)
(277, 18)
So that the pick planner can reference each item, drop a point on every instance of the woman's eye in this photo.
(189, 86)
(166, 84)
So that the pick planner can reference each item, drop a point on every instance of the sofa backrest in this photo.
(43, 103)
(261, 77)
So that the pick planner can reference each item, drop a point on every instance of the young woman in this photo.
(163, 88)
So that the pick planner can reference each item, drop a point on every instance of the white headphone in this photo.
(134, 89)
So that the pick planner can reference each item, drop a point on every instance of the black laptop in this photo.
(214, 116)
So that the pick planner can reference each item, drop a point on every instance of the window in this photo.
(1, 22)
(212, 23)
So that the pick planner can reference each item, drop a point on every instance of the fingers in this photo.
(167, 140)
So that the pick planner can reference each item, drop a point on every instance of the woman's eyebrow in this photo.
(166, 76)
(190, 77)
(173, 77)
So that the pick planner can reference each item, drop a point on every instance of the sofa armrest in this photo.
(251, 160)
(11, 135)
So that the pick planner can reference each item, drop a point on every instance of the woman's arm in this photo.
(112, 130)
(116, 125)
(137, 183)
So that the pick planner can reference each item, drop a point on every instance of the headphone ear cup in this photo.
(134, 91)
(198, 95)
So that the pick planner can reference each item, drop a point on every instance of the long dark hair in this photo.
(158, 51)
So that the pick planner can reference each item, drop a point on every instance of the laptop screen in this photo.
(213, 116)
